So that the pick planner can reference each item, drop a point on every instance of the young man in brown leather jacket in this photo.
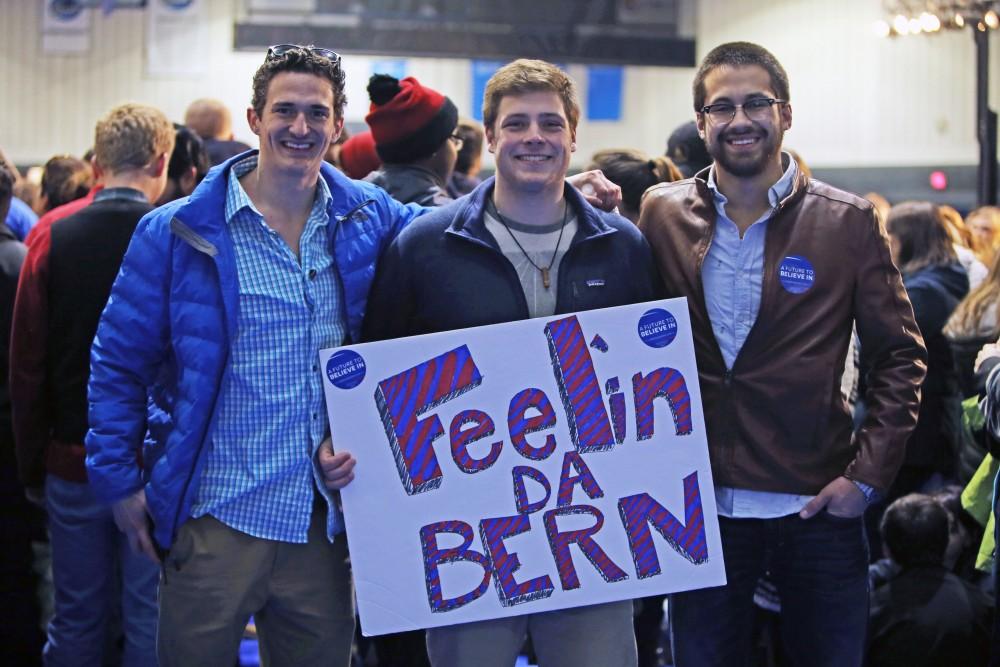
(777, 268)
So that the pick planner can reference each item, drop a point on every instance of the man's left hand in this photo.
(597, 189)
(337, 468)
(841, 498)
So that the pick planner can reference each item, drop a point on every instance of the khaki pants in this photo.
(215, 578)
(595, 636)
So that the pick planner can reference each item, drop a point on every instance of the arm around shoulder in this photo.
(391, 299)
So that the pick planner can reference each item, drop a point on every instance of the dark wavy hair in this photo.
(7, 180)
(739, 54)
(299, 60)
(634, 172)
(921, 237)
(65, 178)
(189, 151)
(915, 528)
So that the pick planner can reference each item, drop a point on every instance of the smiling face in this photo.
(743, 148)
(297, 124)
(532, 140)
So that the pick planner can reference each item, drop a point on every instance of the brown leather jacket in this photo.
(776, 421)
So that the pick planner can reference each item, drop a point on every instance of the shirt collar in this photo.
(777, 192)
(128, 194)
(237, 198)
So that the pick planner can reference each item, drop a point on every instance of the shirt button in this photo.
(312, 274)
(315, 416)
(315, 368)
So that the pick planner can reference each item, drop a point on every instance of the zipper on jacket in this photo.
(210, 427)
(561, 286)
(508, 269)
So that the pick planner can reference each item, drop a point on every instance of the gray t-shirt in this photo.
(538, 243)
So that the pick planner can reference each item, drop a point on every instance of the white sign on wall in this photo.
(65, 28)
(176, 38)
(524, 467)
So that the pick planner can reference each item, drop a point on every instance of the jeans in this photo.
(21, 637)
(88, 553)
(820, 568)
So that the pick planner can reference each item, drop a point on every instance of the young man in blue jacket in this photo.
(222, 303)
(223, 300)
(521, 245)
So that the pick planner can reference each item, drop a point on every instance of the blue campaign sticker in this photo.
(345, 369)
(796, 274)
(657, 327)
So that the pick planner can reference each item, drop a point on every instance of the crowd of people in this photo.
(163, 417)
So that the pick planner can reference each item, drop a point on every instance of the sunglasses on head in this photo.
(279, 50)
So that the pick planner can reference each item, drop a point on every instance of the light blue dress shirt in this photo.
(733, 277)
(260, 477)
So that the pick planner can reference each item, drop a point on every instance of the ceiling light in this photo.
(929, 22)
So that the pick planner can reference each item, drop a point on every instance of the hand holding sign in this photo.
(337, 468)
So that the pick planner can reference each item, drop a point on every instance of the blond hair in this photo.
(131, 136)
(970, 314)
(527, 76)
(985, 251)
(957, 230)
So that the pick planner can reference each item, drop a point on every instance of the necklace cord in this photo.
(544, 271)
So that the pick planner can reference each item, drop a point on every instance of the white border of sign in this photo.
(405, 519)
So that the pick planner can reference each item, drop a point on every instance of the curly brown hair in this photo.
(301, 59)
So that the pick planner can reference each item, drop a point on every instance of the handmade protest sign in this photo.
(524, 467)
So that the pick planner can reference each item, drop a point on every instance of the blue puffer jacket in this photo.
(168, 327)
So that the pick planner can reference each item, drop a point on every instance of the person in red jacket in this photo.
(63, 288)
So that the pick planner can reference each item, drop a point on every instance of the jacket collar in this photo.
(204, 216)
(469, 221)
(204, 210)
(411, 171)
(799, 185)
(6, 233)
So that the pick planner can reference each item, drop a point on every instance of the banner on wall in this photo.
(524, 467)
(65, 28)
(176, 38)
(481, 71)
(604, 92)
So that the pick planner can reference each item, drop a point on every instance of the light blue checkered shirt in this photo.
(260, 475)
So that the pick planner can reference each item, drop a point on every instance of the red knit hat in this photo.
(358, 157)
(409, 122)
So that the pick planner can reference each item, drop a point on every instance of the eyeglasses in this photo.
(758, 108)
(457, 140)
(279, 50)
